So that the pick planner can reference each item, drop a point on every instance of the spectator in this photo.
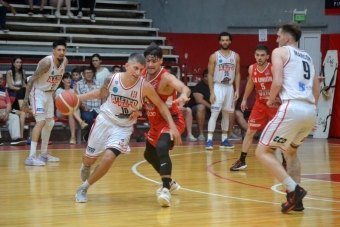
(58, 4)
(12, 120)
(4, 6)
(42, 11)
(15, 77)
(101, 72)
(76, 76)
(91, 4)
(116, 69)
(185, 111)
(88, 109)
(65, 85)
(16, 108)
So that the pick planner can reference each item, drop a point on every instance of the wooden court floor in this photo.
(210, 194)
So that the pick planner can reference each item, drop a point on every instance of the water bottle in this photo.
(29, 140)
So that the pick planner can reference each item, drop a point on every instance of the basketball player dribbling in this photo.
(114, 125)
(295, 80)
(40, 89)
(223, 70)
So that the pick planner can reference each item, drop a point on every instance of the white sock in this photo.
(224, 136)
(290, 184)
(33, 149)
(210, 136)
(86, 184)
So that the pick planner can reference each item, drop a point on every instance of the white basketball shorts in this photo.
(224, 98)
(42, 103)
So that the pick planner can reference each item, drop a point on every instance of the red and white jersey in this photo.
(152, 111)
(262, 81)
(298, 76)
(122, 101)
(225, 68)
(51, 79)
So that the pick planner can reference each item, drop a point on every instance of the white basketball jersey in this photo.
(122, 101)
(51, 79)
(298, 76)
(224, 72)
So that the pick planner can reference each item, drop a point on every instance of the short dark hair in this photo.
(58, 43)
(77, 69)
(154, 50)
(89, 68)
(292, 28)
(116, 66)
(262, 47)
(205, 72)
(225, 34)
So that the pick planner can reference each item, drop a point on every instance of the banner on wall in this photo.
(332, 7)
(327, 88)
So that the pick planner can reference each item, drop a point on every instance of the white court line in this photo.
(134, 170)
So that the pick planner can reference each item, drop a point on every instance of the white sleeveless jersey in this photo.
(51, 79)
(298, 76)
(224, 72)
(122, 101)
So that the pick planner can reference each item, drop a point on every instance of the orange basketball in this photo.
(67, 102)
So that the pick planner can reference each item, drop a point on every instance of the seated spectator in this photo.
(65, 85)
(116, 69)
(232, 119)
(76, 76)
(200, 104)
(15, 77)
(185, 111)
(12, 120)
(89, 3)
(58, 4)
(42, 11)
(241, 117)
(88, 109)
(16, 108)
(101, 72)
(4, 6)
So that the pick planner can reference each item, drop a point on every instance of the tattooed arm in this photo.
(43, 66)
(97, 93)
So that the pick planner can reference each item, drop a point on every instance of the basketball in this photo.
(67, 102)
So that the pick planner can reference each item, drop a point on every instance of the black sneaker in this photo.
(298, 206)
(19, 142)
(293, 198)
(238, 165)
(4, 29)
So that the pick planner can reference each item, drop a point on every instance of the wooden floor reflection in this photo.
(211, 195)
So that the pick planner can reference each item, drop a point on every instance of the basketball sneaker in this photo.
(173, 187)
(47, 158)
(293, 198)
(298, 206)
(238, 165)
(81, 195)
(164, 198)
(34, 161)
(85, 172)
(226, 144)
(209, 145)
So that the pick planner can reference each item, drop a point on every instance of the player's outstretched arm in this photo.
(150, 92)
(97, 93)
(178, 86)
(43, 66)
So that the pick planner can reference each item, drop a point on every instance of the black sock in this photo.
(283, 158)
(166, 182)
(243, 156)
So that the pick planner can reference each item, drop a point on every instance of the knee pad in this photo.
(115, 151)
(49, 124)
(163, 145)
(150, 155)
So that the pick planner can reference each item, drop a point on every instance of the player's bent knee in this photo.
(115, 151)
(49, 124)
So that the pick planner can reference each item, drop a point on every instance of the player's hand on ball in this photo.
(175, 136)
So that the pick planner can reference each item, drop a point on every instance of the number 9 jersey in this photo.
(298, 76)
(122, 101)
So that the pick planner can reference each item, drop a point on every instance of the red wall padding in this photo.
(334, 131)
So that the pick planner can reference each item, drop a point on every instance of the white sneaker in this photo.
(201, 138)
(57, 14)
(191, 138)
(80, 14)
(93, 18)
(70, 15)
(34, 161)
(164, 198)
(48, 158)
(173, 187)
(85, 172)
(81, 195)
